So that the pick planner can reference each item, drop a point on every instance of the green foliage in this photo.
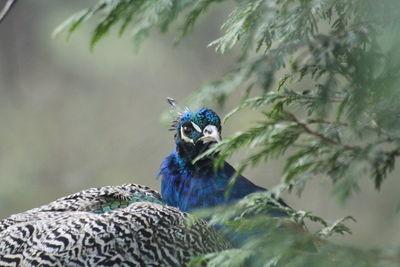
(140, 16)
(289, 244)
(333, 110)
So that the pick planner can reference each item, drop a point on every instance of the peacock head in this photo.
(196, 132)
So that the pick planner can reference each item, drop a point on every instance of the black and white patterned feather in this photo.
(84, 230)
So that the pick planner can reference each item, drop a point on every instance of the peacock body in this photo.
(109, 226)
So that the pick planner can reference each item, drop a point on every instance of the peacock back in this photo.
(124, 225)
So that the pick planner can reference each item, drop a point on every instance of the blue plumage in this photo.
(191, 186)
(188, 186)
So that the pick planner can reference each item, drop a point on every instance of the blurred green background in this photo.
(72, 119)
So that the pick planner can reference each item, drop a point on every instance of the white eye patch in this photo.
(196, 127)
(185, 138)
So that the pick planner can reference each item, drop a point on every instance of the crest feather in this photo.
(178, 112)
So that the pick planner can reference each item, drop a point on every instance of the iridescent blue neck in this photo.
(192, 186)
(182, 161)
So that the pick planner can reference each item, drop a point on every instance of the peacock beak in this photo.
(210, 134)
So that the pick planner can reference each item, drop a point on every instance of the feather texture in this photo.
(136, 229)
(190, 187)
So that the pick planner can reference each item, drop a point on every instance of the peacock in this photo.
(126, 225)
(190, 185)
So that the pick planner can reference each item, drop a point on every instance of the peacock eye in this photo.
(187, 130)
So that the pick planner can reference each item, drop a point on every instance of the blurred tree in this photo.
(333, 110)
(12, 41)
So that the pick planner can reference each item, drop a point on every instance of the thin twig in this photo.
(327, 122)
(336, 99)
(320, 136)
